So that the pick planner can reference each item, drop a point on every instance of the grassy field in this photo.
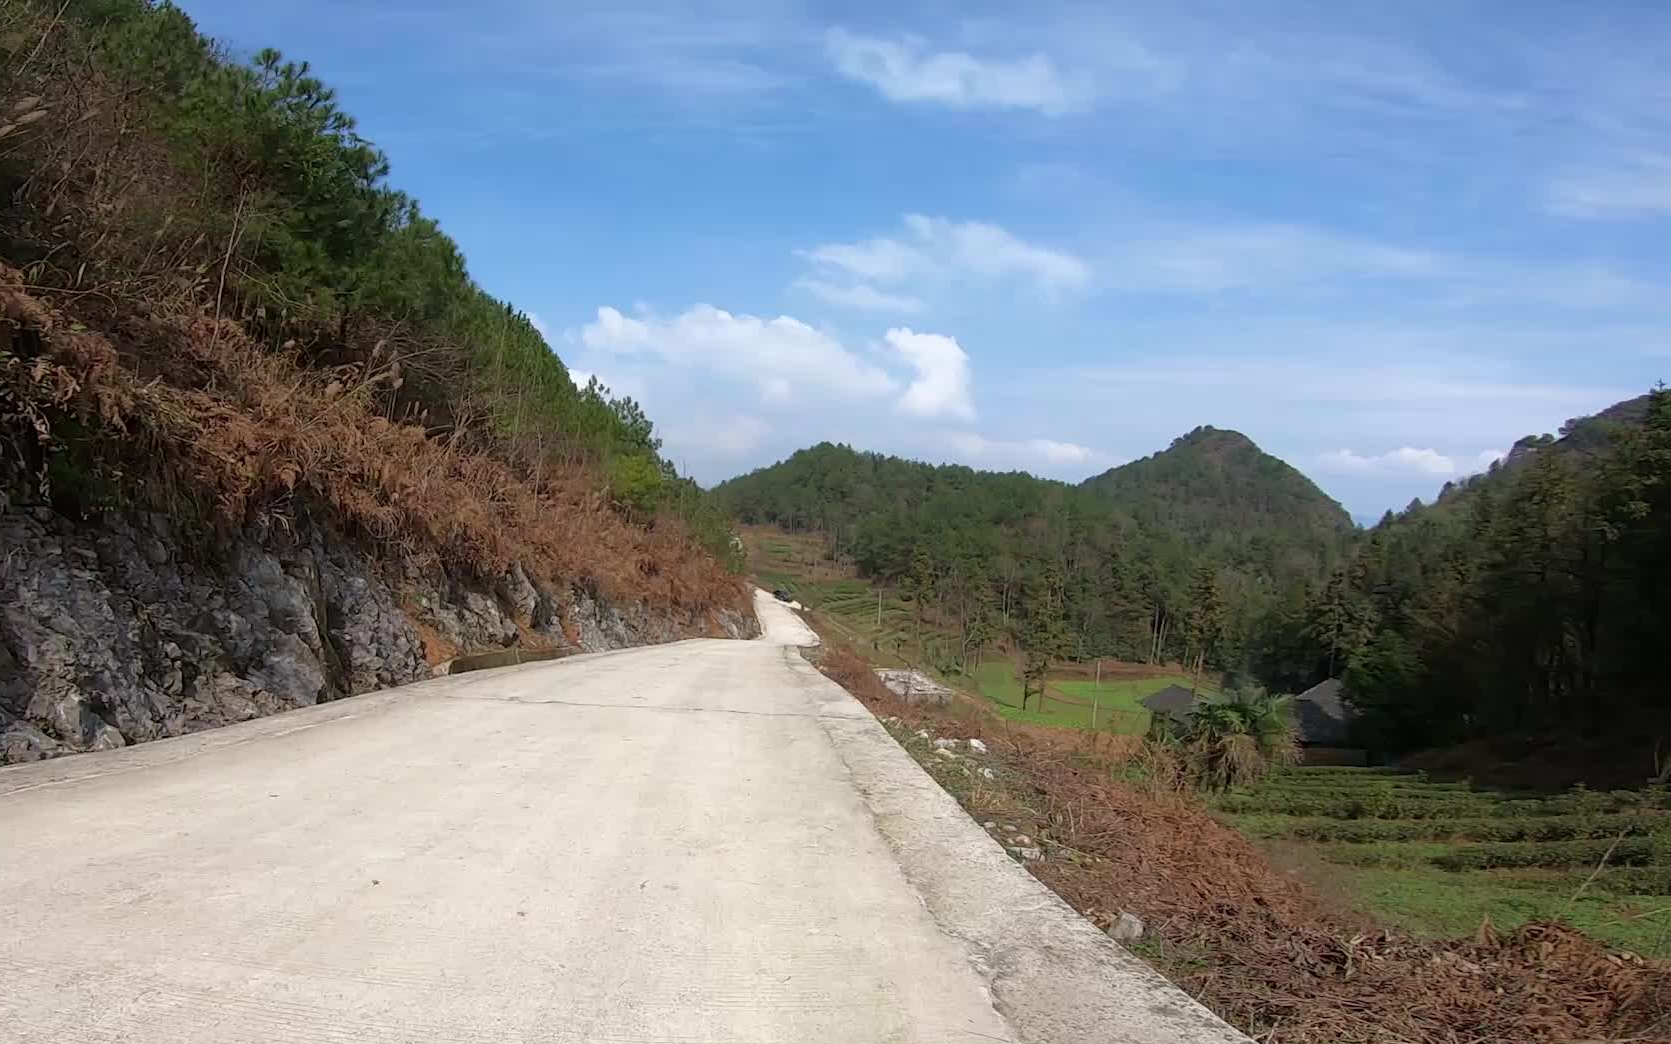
(1115, 704)
(800, 564)
(1438, 858)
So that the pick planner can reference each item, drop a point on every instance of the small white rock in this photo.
(921, 734)
(1021, 839)
(988, 773)
(944, 753)
(990, 825)
(944, 744)
(1129, 928)
(977, 746)
(1029, 853)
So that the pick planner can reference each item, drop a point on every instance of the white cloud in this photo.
(1243, 257)
(580, 378)
(1059, 452)
(784, 357)
(1405, 458)
(906, 70)
(990, 250)
(935, 248)
(941, 387)
(982, 450)
(539, 324)
(860, 296)
(1635, 189)
(729, 436)
(1426, 460)
(884, 260)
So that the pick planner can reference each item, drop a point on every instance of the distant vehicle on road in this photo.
(783, 596)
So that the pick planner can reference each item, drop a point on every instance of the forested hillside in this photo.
(263, 440)
(1531, 599)
(1183, 563)
(180, 177)
(1220, 492)
(1535, 599)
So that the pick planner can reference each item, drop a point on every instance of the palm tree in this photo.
(1238, 739)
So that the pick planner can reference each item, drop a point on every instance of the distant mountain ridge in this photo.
(1211, 493)
(1580, 436)
(1213, 485)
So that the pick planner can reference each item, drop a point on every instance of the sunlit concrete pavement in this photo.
(698, 842)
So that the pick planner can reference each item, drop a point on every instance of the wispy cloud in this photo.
(1248, 256)
(1008, 452)
(860, 297)
(725, 436)
(906, 69)
(1634, 189)
(1408, 459)
(936, 249)
(1428, 461)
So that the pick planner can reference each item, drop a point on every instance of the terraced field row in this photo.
(1438, 857)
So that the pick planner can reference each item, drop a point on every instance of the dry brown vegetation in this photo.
(147, 359)
(1259, 946)
(237, 433)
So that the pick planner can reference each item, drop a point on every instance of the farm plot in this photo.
(1439, 858)
(1111, 705)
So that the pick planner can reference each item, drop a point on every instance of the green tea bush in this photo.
(1641, 851)
(1499, 829)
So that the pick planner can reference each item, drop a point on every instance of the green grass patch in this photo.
(1115, 706)
(1437, 904)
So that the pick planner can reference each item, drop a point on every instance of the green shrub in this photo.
(1347, 803)
(1629, 880)
(1629, 852)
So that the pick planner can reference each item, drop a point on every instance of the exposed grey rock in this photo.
(21, 741)
(1128, 928)
(977, 747)
(914, 686)
(736, 624)
(125, 629)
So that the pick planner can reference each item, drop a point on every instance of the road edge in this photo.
(1053, 975)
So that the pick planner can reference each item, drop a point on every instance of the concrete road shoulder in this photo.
(1053, 975)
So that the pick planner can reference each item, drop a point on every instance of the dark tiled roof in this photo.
(1174, 701)
(1322, 715)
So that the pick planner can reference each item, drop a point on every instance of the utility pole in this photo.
(1096, 695)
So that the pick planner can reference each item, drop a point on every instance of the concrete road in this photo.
(698, 842)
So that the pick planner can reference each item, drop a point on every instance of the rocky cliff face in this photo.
(125, 629)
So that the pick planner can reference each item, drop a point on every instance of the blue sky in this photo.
(1382, 240)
